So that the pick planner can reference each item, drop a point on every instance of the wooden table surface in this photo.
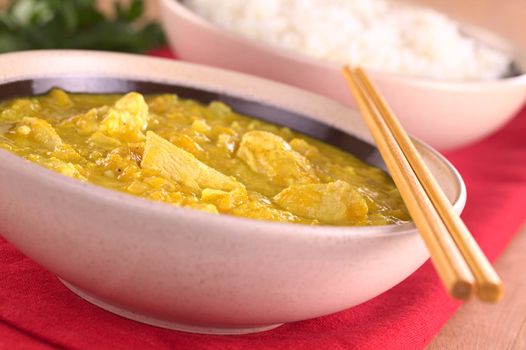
(502, 326)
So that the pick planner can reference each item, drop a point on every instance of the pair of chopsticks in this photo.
(459, 261)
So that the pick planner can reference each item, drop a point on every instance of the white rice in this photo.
(377, 34)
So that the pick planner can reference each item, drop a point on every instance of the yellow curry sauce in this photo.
(205, 157)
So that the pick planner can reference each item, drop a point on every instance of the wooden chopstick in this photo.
(488, 284)
(446, 258)
(457, 258)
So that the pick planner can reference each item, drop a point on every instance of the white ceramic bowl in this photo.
(443, 114)
(185, 269)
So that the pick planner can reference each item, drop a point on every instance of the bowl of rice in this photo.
(450, 84)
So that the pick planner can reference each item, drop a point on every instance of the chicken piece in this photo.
(201, 126)
(86, 123)
(58, 165)
(219, 109)
(187, 143)
(304, 148)
(127, 119)
(270, 155)
(177, 164)
(100, 140)
(60, 98)
(40, 131)
(14, 111)
(260, 207)
(224, 201)
(207, 207)
(333, 203)
(163, 103)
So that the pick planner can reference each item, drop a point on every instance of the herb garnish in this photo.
(76, 24)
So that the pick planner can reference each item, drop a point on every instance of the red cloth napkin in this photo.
(38, 312)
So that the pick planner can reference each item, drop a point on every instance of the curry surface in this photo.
(205, 157)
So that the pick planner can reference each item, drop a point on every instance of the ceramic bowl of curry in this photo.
(261, 203)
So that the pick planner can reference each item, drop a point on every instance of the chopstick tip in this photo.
(461, 290)
(490, 292)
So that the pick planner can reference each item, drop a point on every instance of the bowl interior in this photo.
(361, 149)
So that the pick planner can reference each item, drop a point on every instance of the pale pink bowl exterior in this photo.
(445, 115)
(185, 269)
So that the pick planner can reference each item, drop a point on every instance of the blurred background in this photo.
(506, 17)
(137, 34)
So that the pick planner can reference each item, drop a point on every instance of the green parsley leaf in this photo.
(76, 24)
